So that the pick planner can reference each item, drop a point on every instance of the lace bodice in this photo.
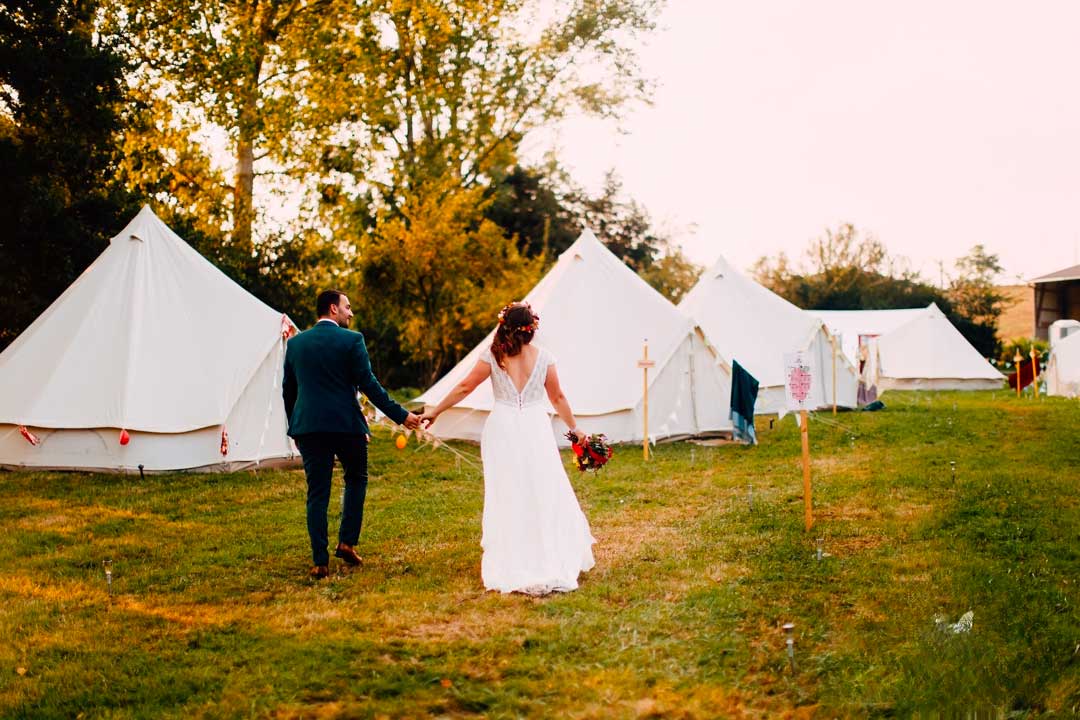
(503, 387)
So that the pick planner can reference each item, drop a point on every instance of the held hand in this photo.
(427, 420)
(412, 421)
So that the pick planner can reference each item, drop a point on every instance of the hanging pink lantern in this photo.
(124, 437)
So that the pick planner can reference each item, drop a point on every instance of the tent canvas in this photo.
(595, 313)
(929, 353)
(153, 339)
(751, 324)
(1063, 369)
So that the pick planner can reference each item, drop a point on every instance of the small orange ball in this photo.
(400, 442)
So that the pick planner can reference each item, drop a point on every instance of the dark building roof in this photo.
(1069, 273)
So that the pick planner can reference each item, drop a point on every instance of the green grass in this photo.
(213, 616)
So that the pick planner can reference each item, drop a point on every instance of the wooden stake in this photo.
(805, 431)
(1035, 369)
(1018, 358)
(644, 363)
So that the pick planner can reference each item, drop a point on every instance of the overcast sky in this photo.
(934, 125)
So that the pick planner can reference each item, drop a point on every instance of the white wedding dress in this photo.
(536, 540)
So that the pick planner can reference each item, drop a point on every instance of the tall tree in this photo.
(254, 72)
(61, 90)
(448, 88)
(972, 289)
(528, 205)
(439, 277)
(444, 91)
(845, 270)
(976, 298)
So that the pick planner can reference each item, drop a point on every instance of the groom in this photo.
(324, 367)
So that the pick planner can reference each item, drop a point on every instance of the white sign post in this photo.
(798, 389)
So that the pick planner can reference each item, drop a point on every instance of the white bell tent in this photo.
(1063, 369)
(917, 348)
(754, 326)
(595, 313)
(155, 345)
(853, 328)
(929, 353)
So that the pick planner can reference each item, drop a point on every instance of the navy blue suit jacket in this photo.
(324, 367)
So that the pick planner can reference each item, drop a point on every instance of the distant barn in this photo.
(1057, 297)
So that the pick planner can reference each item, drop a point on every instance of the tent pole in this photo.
(1018, 358)
(1035, 369)
(644, 363)
(832, 342)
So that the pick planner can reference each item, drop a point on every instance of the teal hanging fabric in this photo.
(744, 390)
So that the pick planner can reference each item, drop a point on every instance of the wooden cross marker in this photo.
(645, 363)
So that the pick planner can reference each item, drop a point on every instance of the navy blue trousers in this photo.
(318, 451)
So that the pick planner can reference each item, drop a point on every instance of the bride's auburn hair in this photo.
(517, 325)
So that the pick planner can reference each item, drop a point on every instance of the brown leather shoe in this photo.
(347, 554)
(319, 572)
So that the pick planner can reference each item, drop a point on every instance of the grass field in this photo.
(212, 614)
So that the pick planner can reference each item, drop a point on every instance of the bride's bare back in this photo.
(520, 367)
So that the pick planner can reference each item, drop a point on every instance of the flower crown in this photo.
(531, 327)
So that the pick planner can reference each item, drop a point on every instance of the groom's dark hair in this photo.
(326, 299)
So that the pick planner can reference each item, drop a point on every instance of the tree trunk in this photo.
(244, 188)
(258, 21)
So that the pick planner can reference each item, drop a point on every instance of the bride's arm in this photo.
(477, 375)
(560, 403)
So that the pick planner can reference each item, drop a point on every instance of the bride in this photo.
(535, 539)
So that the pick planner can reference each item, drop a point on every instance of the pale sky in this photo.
(934, 125)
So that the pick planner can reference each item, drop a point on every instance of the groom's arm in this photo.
(365, 381)
(288, 388)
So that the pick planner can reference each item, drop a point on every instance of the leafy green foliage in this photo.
(61, 90)
(528, 205)
(438, 274)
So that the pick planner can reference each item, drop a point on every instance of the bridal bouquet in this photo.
(593, 454)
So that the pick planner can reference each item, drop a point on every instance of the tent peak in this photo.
(721, 268)
(584, 240)
(141, 227)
